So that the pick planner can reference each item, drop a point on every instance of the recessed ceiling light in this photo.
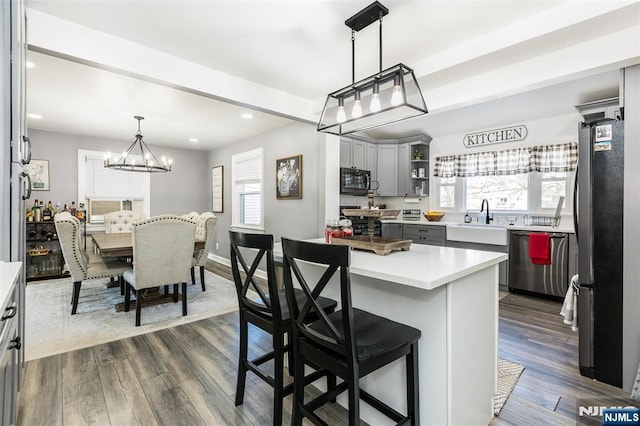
(247, 116)
(36, 116)
(193, 140)
(30, 64)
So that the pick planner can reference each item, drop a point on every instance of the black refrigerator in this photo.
(600, 186)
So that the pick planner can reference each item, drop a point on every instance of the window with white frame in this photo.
(525, 179)
(103, 190)
(247, 189)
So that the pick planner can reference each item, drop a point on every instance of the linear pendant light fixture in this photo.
(146, 161)
(386, 97)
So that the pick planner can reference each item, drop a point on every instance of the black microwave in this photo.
(354, 181)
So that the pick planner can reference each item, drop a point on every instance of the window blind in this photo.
(102, 182)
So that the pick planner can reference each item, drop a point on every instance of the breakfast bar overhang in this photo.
(451, 295)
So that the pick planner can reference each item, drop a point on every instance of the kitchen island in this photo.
(451, 295)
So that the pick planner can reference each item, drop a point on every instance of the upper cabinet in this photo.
(353, 153)
(399, 167)
(387, 170)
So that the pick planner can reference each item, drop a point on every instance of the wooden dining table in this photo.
(121, 245)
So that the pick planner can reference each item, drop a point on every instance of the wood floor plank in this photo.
(144, 360)
(41, 395)
(124, 396)
(82, 395)
(169, 403)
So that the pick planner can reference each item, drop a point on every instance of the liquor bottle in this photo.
(73, 209)
(37, 213)
(80, 214)
(46, 212)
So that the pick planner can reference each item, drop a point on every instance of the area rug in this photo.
(508, 375)
(51, 329)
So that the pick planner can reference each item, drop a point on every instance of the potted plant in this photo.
(418, 155)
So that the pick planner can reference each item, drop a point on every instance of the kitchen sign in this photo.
(489, 137)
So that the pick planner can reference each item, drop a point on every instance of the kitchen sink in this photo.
(477, 233)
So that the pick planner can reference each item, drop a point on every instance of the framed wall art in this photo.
(217, 180)
(289, 178)
(38, 170)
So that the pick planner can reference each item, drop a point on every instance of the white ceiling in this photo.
(301, 48)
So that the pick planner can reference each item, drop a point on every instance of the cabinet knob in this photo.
(15, 343)
(12, 311)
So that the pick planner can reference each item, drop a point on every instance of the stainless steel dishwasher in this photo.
(545, 279)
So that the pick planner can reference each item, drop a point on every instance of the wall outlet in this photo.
(217, 246)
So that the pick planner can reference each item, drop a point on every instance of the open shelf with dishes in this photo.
(419, 168)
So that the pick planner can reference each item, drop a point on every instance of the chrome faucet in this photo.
(487, 217)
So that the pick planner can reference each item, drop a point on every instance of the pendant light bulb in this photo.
(356, 112)
(341, 116)
(396, 96)
(375, 99)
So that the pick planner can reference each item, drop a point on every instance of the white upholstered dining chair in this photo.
(121, 221)
(81, 265)
(206, 225)
(162, 253)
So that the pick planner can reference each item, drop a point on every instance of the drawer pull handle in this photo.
(13, 310)
(15, 343)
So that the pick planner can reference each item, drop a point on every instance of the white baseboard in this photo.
(227, 262)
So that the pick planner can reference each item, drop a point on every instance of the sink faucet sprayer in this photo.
(487, 217)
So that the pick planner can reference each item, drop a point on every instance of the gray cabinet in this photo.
(354, 153)
(425, 234)
(10, 346)
(392, 230)
(372, 160)
(387, 170)
(404, 156)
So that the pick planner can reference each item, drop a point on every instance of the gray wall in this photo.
(631, 243)
(291, 218)
(184, 189)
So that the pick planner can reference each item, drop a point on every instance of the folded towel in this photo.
(570, 306)
(540, 248)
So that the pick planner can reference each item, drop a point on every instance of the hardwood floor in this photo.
(186, 375)
(532, 333)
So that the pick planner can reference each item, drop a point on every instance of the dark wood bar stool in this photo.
(271, 314)
(350, 343)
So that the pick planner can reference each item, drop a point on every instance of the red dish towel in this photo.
(540, 248)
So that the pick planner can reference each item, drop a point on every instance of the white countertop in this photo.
(8, 273)
(423, 266)
(516, 227)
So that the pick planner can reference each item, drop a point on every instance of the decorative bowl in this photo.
(433, 216)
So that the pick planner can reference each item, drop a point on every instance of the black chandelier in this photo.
(386, 97)
(138, 157)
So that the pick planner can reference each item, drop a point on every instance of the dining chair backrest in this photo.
(162, 250)
(334, 259)
(194, 216)
(70, 238)
(254, 248)
(205, 228)
(120, 221)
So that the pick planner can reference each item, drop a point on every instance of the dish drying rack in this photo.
(553, 221)
(411, 214)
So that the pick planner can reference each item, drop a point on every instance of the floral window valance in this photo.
(541, 158)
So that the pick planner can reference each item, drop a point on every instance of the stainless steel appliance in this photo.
(354, 181)
(600, 187)
(550, 279)
(361, 224)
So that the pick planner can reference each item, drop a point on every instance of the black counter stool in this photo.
(271, 314)
(350, 342)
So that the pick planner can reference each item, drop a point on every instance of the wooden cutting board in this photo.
(381, 246)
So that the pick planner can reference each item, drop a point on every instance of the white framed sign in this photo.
(217, 181)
